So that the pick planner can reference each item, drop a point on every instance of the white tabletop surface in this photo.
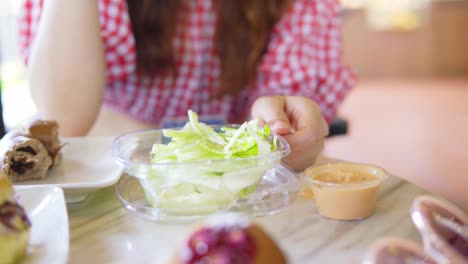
(101, 231)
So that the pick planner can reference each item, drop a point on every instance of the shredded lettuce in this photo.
(178, 180)
(197, 141)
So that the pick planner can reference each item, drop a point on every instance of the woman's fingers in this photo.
(271, 110)
(299, 121)
(305, 115)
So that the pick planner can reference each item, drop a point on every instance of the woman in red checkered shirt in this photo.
(111, 66)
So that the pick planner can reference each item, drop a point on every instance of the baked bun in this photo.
(6, 191)
(443, 227)
(14, 225)
(229, 239)
(46, 131)
(29, 153)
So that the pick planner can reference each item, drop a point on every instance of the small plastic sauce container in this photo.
(345, 190)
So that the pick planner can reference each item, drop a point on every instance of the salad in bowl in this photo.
(199, 168)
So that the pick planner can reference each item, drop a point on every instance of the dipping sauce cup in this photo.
(345, 190)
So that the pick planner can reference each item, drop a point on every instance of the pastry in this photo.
(229, 239)
(29, 153)
(443, 227)
(47, 133)
(14, 225)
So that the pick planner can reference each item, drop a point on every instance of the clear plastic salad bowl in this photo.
(188, 188)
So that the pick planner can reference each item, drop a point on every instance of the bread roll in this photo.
(443, 227)
(23, 158)
(229, 239)
(29, 153)
(47, 133)
(394, 250)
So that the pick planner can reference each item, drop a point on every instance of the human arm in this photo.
(303, 63)
(66, 68)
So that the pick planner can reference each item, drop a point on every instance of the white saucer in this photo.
(86, 165)
(49, 239)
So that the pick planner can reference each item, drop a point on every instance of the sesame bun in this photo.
(14, 225)
(6, 191)
(13, 245)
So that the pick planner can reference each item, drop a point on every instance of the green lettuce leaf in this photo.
(218, 181)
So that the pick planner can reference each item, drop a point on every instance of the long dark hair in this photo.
(242, 33)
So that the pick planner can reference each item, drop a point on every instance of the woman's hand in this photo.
(299, 121)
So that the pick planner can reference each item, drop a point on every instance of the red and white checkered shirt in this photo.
(303, 58)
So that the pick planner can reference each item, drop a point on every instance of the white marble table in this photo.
(101, 231)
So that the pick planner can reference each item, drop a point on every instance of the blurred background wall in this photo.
(412, 39)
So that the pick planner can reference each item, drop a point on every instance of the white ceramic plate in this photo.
(86, 165)
(49, 238)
